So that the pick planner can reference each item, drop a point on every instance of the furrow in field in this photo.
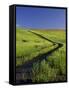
(42, 56)
(27, 66)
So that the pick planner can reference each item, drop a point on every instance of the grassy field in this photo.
(54, 35)
(29, 45)
(54, 67)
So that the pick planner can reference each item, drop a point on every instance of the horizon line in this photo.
(40, 28)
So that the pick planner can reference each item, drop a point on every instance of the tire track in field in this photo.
(26, 68)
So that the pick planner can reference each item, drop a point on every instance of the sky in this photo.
(40, 18)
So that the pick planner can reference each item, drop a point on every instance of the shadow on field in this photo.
(23, 73)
